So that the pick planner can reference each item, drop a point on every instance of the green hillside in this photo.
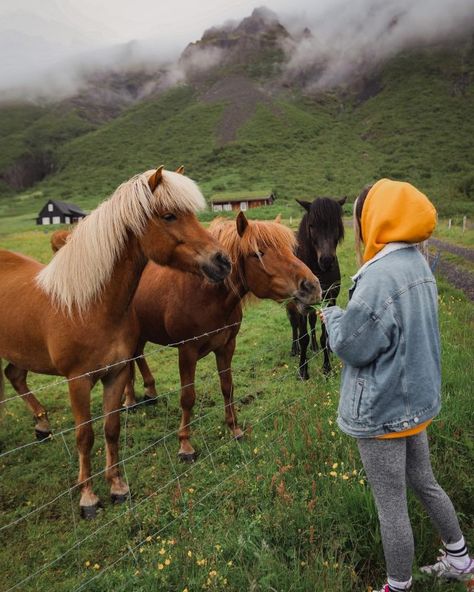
(417, 126)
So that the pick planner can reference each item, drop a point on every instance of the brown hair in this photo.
(358, 206)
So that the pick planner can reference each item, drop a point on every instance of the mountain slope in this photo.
(411, 119)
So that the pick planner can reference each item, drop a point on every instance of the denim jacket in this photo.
(388, 339)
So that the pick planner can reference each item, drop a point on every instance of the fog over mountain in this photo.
(50, 49)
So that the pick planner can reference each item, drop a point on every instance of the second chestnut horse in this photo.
(263, 264)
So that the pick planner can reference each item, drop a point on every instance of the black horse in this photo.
(320, 231)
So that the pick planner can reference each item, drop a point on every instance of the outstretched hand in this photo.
(320, 314)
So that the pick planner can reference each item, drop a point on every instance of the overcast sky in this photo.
(38, 38)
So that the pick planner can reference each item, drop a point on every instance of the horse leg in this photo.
(80, 396)
(293, 315)
(224, 357)
(312, 325)
(187, 371)
(130, 399)
(113, 388)
(17, 377)
(304, 341)
(150, 395)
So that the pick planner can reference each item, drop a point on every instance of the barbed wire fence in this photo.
(207, 454)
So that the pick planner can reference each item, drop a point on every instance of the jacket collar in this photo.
(389, 248)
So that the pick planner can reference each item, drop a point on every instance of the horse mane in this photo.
(79, 271)
(327, 215)
(258, 235)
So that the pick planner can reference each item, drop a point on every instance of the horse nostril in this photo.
(222, 261)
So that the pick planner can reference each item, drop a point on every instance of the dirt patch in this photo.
(242, 97)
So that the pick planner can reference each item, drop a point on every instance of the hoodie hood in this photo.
(395, 212)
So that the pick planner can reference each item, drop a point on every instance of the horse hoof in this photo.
(147, 400)
(118, 498)
(42, 436)
(304, 376)
(90, 512)
(187, 457)
(130, 408)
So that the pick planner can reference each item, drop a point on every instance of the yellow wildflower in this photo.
(190, 553)
(160, 566)
(161, 551)
(87, 563)
(96, 566)
(333, 474)
(167, 561)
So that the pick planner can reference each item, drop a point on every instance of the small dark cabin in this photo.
(59, 212)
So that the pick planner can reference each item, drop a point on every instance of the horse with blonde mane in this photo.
(73, 317)
(263, 265)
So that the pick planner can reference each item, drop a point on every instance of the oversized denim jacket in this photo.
(388, 339)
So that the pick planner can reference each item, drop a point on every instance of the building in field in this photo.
(241, 200)
(59, 212)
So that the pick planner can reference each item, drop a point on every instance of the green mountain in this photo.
(240, 124)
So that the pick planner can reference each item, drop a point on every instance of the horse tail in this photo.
(2, 388)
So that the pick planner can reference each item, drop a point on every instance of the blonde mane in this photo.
(79, 271)
(258, 235)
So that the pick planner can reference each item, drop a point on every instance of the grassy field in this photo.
(286, 509)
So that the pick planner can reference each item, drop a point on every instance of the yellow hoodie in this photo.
(395, 211)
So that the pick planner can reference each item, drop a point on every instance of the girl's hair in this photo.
(358, 205)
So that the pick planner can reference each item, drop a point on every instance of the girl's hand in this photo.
(320, 314)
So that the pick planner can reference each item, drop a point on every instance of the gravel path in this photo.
(459, 277)
(465, 252)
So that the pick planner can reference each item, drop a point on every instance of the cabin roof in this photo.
(67, 208)
(241, 196)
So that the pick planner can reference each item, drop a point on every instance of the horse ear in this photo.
(342, 201)
(155, 179)
(180, 170)
(278, 219)
(241, 223)
(304, 204)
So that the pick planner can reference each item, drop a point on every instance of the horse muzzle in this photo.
(308, 293)
(217, 268)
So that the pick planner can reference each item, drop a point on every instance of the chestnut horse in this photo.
(73, 317)
(263, 264)
(59, 238)
(320, 231)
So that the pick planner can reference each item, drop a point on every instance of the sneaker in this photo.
(443, 569)
(386, 588)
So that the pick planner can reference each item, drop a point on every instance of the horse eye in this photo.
(258, 254)
(169, 217)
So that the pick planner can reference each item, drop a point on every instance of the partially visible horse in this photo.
(73, 317)
(173, 306)
(320, 231)
(59, 238)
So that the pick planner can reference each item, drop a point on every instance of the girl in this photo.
(390, 388)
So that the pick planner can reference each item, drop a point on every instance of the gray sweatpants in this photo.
(390, 465)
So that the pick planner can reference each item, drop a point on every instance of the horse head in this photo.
(173, 235)
(263, 256)
(323, 228)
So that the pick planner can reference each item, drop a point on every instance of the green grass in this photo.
(286, 509)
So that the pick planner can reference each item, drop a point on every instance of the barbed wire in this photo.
(124, 460)
(154, 493)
